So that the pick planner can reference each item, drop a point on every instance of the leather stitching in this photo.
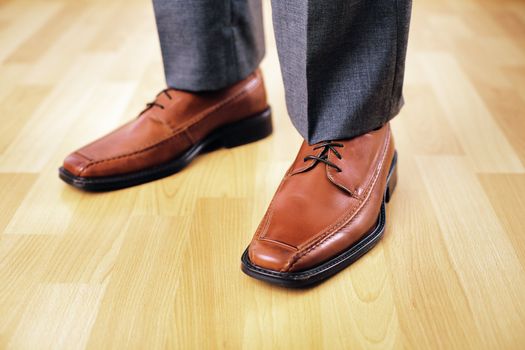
(343, 187)
(347, 219)
(279, 243)
(262, 229)
(252, 85)
(266, 222)
(83, 155)
(189, 137)
(355, 191)
(358, 246)
(171, 138)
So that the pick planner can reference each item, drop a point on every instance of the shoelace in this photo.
(155, 103)
(323, 156)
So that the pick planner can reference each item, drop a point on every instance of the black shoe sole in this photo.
(315, 275)
(249, 130)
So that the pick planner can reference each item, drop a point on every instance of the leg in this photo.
(342, 63)
(209, 44)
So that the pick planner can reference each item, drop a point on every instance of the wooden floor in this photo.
(157, 266)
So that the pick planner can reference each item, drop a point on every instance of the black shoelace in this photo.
(155, 103)
(323, 156)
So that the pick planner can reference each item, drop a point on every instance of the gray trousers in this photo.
(342, 61)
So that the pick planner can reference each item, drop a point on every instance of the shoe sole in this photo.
(315, 275)
(249, 130)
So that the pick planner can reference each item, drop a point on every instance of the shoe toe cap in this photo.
(75, 163)
(270, 255)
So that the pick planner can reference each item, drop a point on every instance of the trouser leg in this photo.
(209, 44)
(342, 62)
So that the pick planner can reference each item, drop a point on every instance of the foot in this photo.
(327, 212)
(169, 134)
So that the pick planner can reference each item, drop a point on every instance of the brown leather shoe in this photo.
(327, 212)
(169, 134)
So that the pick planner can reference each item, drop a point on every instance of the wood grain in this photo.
(157, 266)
